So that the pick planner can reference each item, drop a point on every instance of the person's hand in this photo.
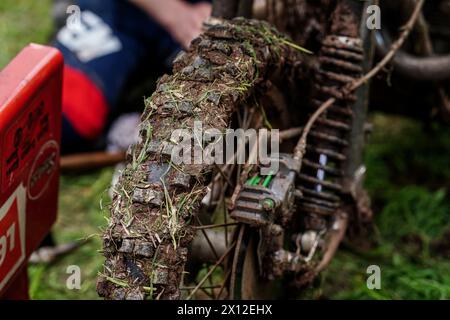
(185, 24)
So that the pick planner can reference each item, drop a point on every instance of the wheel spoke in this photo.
(211, 246)
(235, 259)
(212, 226)
(211, 270)
(224, 283)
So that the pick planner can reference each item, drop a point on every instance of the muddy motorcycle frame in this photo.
(345, 54)
(229, 9)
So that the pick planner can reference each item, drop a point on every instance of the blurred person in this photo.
(103, 44)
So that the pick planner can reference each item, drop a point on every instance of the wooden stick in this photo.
(93, 160)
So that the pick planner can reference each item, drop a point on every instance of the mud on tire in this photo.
(146, 241)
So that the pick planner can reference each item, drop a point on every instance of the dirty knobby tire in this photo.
(145, 243)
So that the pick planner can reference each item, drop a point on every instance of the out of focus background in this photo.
(408, 179)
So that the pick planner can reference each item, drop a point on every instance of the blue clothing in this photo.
(111, 40)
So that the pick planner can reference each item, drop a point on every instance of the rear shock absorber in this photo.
(322, 171)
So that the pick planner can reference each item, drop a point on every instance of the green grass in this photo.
(408, 179)
(409, 216)
(22, 22)
(80, 217)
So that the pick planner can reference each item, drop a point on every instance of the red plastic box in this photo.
(30, 131)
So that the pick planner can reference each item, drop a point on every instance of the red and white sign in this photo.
(12, 234)
(30, 130)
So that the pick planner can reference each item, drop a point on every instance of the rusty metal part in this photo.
(325, 168)
(305, 274)
(360, 106)
(324, 161)
(336, 237)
